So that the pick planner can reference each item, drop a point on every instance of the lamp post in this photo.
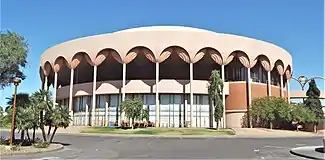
(303, 80)
(16, 82)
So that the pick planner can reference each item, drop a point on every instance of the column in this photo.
(93, 106)
(281, 85)
(191, 94)
(55, 87)
(249, 94)
(106, 112)
(123, 89)
(288, 90)
(223, 96)
(157, 123)
(70, 94)
(45, 83)
(269, 83)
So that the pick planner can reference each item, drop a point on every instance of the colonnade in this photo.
(223, 120)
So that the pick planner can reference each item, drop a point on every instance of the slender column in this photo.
(93, 106)
(191, 94)
(106, 113)
(223, 96)
(123, 88)
(87, 114)
(55, 88)
(288, 90)
(281, 85)
(70, 94)
(45, 84)
(157, 96)
(269, 83)
(249, 79)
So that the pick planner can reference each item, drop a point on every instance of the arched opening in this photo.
(83, 70)
(109, 67)
(142, 66)
(174, 64)
(203, 67)
(235, 70)
(63, 71)
(48, 71)
(258, 72)
(174, 67)
(275, 77)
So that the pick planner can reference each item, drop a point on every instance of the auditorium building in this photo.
(168, 68)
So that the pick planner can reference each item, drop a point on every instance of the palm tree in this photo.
(60, 118)
(42, 103)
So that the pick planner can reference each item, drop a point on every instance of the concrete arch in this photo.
(59, 63)
(41, 73)
(106, 53)
(78, 58)
(180, 51)
(241, 55)
(288, 72)
(279, 66)
(214, 54)
(47, 68)
(132, 54)
(264, 60)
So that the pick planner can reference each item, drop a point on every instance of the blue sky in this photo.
(296, 25)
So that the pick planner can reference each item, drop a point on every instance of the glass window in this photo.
(258, 73)
(235, 71)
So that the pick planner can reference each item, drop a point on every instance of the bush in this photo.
(42, 144)
(269, 112)
(272, 111)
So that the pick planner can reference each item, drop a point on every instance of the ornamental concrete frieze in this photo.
(159, 42)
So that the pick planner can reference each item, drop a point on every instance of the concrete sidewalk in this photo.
(263, 132)
(240, 133)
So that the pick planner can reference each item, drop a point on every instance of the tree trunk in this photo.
(55, 128)
(271, 125)
(22, 135)
(42, 126)
(27, 134)
(211, 112)
(217, 127)
(49, 130)
(34, 130)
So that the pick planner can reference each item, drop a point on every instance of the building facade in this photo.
(168, 68)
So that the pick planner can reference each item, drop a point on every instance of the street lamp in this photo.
(16, 82)
(303, 80)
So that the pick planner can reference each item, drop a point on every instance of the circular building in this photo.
(168, 68)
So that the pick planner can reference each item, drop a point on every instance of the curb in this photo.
(292, 151)
(36, 152)
(186, 136)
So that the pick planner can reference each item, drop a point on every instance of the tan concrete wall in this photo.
(137, 86)
(235, 119)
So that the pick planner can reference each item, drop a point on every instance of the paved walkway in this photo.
(263, 132)
(240, 132)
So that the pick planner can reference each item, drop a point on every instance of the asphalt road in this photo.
(106, 147)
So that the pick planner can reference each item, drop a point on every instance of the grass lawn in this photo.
(159, 131)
